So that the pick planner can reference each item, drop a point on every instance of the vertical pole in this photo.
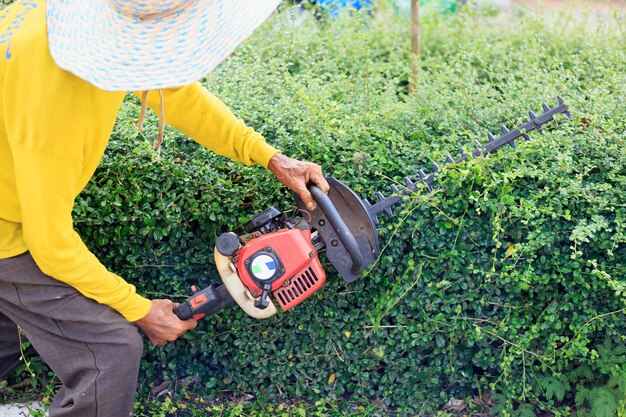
(415, 43)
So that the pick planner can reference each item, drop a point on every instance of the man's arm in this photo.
(46, 182)
(46, 188)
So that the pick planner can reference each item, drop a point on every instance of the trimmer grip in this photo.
(341, 228)
(204, 302)
(183, 311)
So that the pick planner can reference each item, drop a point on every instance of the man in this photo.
(65, 69)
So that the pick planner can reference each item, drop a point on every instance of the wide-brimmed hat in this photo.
(126, 45)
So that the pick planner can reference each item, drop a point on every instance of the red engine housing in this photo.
(286, 259)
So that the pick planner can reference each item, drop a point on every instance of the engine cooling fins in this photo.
(536, 122)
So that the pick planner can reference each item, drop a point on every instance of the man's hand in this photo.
(295, 175)
(161, 325)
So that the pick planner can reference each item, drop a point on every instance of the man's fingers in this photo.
(318, 179)
(184, 326)
(157, 341)
(190, 324)
(161, 325)
(313, 175)
(307, 199)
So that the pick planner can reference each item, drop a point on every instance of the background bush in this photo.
(509, 277)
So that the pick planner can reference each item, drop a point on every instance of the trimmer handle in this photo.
(203, 303)
(339, 225)
(345, 225)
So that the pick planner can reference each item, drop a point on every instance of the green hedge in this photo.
(508, 278)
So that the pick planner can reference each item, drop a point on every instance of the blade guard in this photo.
(238, 290)
(345, 225)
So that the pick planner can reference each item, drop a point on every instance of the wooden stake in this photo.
(415, 43)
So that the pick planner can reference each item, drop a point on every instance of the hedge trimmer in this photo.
(278, 254)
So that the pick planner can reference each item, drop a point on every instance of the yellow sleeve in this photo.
(57, 127)
(44, 184)
(207, 120)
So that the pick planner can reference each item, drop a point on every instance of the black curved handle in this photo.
(340, 227)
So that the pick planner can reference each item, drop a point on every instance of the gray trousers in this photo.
(94, 351)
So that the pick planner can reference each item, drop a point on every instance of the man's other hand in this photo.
(161, 325)
(295, 175)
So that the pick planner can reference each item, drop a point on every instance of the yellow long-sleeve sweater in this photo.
(54, 128)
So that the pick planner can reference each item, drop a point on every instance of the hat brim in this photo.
(120, 53)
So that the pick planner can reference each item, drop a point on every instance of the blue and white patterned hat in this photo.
(132, 45)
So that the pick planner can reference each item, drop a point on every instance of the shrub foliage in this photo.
(510, 272)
